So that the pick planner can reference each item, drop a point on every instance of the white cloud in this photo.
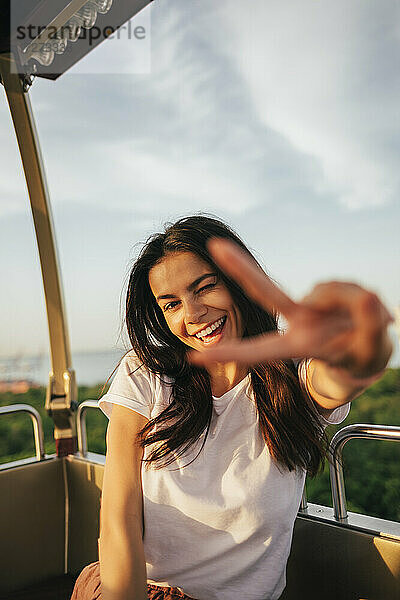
(325, 75)
(187, 180)
(245, 105)
(179, 137)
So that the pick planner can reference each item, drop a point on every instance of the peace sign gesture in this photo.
(339, 323)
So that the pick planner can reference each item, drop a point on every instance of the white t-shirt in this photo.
(220, 528)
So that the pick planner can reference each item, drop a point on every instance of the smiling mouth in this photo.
(213, 332)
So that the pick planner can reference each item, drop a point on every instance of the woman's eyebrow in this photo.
(190, 287)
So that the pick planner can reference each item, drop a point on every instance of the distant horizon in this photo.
(120, 350)
(40, 354)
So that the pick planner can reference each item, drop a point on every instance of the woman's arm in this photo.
(341, 324)
(121, 553)
(331, 387)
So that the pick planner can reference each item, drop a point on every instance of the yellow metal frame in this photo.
(61, 392)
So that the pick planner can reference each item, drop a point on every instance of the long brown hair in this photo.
(289, 424)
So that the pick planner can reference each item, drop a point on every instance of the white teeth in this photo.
(211, 328)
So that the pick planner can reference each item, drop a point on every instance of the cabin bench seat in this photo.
(50, 527)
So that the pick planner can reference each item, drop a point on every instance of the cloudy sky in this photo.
(280, 117)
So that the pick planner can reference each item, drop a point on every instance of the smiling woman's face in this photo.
(197, 306)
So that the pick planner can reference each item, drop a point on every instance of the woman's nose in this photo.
(194, 311)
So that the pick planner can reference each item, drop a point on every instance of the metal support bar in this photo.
(81, 424)
(61, 391)
(361, 431)
(36, 421)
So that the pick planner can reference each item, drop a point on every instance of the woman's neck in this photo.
(224, 376)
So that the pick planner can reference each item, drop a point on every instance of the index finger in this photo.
(250, 276)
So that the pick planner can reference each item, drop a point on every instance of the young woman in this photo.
(213, 430)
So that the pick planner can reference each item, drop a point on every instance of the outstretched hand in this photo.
(340, 323)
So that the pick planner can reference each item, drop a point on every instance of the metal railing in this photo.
(81, 424)
(361, 431)
(37, 424)
(82, 439)
(61, 391)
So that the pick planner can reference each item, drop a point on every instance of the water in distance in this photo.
(91, 368)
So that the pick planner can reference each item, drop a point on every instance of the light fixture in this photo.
(43, 54)
(88, 14)
(74, 28)
(47, 44)
(103, 6)
(48, 26)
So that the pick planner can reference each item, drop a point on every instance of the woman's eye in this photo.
(206, 287)
(170, 305)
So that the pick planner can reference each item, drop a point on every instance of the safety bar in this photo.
(62, 391)
(370, 432)
(82, 439)
(37, 424)
(81, 424)
(377, 432)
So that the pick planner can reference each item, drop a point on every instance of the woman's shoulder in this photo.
(133, 367)
(136, 387)
(131, 363)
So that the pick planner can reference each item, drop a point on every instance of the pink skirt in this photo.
(88, 587)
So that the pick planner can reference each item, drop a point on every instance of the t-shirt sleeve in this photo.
(338, 414)
(132, 387)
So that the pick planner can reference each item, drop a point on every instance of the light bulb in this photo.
(88, 14)
(103, 6)
(73, 27)
(44, 55)
(59, 42)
